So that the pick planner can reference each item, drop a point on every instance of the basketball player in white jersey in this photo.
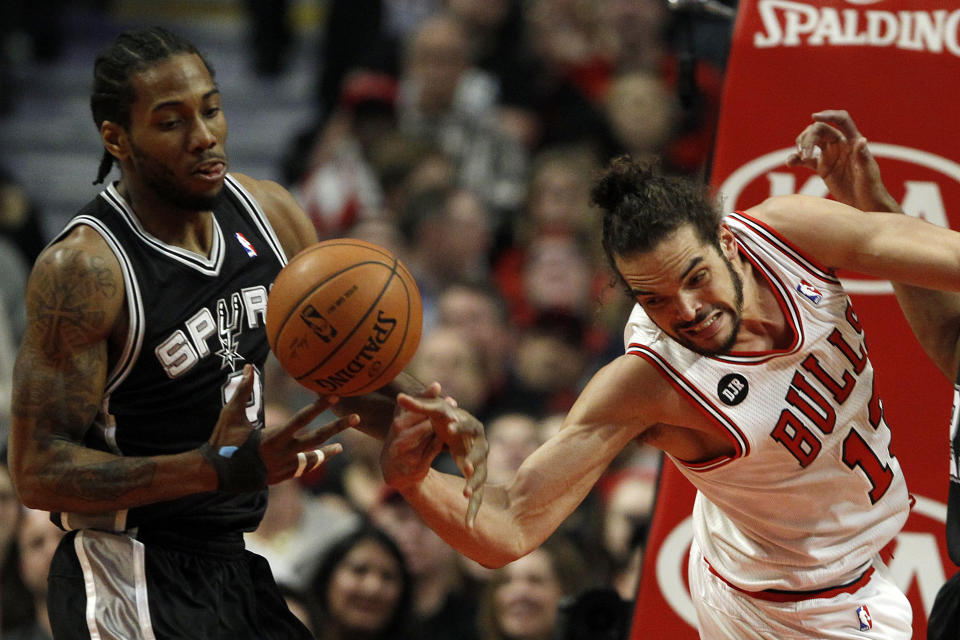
(844, 161)
(746, 363)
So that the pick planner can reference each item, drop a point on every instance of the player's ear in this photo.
(115, 139)
(728, 242)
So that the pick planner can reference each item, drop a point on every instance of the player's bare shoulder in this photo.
(75, 293)
(289, 222)
(627, 392)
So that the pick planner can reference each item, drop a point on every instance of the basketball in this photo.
(344, 317)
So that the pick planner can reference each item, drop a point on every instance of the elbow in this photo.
(503, 554)
(26, 481)
(27, 490)
(498, 560)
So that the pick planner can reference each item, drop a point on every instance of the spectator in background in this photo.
(362, 590)
(627, 509)
(340, 187)
(37, 539)
(382, 26)
(522, 599)
(549, 366)
(511, 438)
(448, 235)
(478, 311)
(408, 166)
(558, 220)
(498, 42)
(644, 38)
(451, 103)
(383, 232)
(644, 115)
(638, 32)
(20, 220)
(570, 80)
(450, 357)
(16, 601)
(354, 478)
(444, 609)
(557, 275)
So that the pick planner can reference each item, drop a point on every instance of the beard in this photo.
(164, 185)
(737, 311)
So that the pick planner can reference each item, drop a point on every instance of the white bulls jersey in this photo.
(812, 491)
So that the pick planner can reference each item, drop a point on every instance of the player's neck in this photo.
(188, 229)
(763, 325)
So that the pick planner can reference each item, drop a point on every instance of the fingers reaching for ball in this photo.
(295, 448)
(460, 431)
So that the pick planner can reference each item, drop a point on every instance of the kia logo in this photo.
(923, 199)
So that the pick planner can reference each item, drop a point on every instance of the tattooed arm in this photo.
(75, 304)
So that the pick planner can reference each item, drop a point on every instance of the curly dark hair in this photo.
(130, 53)
(641, 206)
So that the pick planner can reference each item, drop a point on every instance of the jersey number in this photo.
(256, 396)
(805, 446)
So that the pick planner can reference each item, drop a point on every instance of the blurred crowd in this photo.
(463, 136)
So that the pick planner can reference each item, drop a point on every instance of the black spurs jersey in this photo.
(195, 321)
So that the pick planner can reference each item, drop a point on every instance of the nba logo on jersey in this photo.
(247, 246)
(810, 292)
(863, 615)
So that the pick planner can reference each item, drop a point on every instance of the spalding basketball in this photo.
(344, 317)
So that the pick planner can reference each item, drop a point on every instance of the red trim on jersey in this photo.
(689, 391)
(787, 306)
(779, 595)
(771, 235)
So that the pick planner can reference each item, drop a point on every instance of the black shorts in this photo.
(944, 620)
(124, 589)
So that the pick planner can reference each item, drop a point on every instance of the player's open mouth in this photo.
(706, 327)
(211, 170)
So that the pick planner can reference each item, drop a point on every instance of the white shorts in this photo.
(878, 609)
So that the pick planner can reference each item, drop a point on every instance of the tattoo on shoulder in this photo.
(67, 302)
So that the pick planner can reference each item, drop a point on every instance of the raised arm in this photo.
(517, 517)
(885, 245)
(834, 148)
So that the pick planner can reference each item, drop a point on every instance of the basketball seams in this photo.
(360, 322)
(320, 285)
(406, 330)
(362, 333)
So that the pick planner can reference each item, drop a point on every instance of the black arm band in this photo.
(239, 469)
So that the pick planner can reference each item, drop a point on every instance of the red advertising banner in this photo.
(894, 65)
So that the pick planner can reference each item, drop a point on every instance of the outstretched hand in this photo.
(835, 149)
(285, 451)
(421, 428)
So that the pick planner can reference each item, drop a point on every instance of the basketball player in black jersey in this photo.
(138, 400)
(853, 176)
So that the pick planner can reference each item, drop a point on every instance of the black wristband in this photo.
(239, 469)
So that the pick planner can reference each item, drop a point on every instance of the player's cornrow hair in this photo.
(130, 53)
(641, 206)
